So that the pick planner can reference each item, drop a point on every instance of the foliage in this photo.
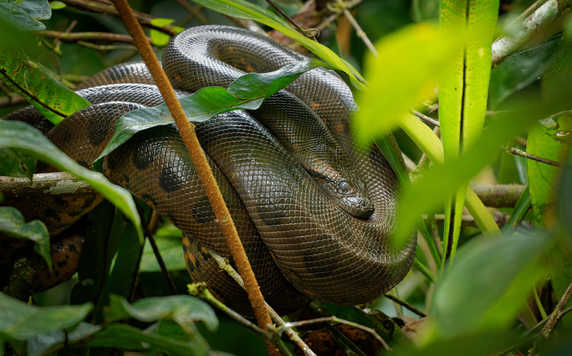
(496, 296)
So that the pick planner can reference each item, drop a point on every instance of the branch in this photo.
(517, 152)
(81, 36)
(102, 8)
(499, 195)
(197, 155)
(46, 183)
(558, 312)
(506, 45)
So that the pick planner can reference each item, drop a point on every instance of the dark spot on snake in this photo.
(202, 211)
(190, 265)
(97, 130)
(197, 263)
(170, 179)
(142, 157)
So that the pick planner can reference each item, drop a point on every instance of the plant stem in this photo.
(197, 155)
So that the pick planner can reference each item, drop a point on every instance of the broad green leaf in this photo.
(565, 197)
(519, 70)
(25, 14)
(400, 79)
(12, 224)
(45, 343)
(439, 183)
(16, 164)
(463, 92)
(544, 141)
(246, 92)
(182, 309)
(488, 282)
(18, 135)
(33, 81)
(130, 338)
(21, 321)
(168, 239)
(247, 10)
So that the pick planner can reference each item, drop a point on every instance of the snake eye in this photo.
(344, 187)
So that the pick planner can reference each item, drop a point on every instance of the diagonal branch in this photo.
(197, 155)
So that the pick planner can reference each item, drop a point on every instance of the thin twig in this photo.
(557, 313)
(518, 152)
(80, 36)
(225, 266)
(149, 229)
(197, 155)
(426, 119)
(341, 6)
(406, 305)
(106, 8)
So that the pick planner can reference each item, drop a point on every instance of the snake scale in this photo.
(313, 211)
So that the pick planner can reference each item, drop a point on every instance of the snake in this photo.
(314, 211)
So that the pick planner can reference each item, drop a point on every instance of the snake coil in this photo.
(313, 211)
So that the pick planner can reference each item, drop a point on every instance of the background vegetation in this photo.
(470, 102)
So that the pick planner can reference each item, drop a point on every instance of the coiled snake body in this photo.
(312, 211)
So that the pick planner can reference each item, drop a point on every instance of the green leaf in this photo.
(57, 5)
(159, 38)
(544, 141)
(16, 164)
(168, 239)
(18, 135)
(565, 197)
(489, 281)
(519, 70)
(12, 224)
(246, 92)
(130, 338)
(46, 343)
(246, 10)
(25, 14)
(182, 309)
(400, 79)
(438, 183)
(33, 81)
(21, 321)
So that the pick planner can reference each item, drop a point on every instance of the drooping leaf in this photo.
(45, 343)
(18, 135)
(182, 309)
(26, 14)
(12, 224)
(33, 81)
(544, 142)
(16, 164)
(20, 321)
(246, 92)
(502, 272)
(400, 79)
(127, 337)
(247, 10)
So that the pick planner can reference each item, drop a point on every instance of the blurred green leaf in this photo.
(556, 83)
(14, 163)
(400, 79)
(20, 321)
(246, 10)
(246, 92)
(543, 141)
(18, 135)
(425, 10)
(439, 182)
(32, 80)
(12, 224)
(519, 70)
(168, 239)
(565, 196)
(159, 38)
(182, 309)
(502, 272)
(130, 338)
(25, 14)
